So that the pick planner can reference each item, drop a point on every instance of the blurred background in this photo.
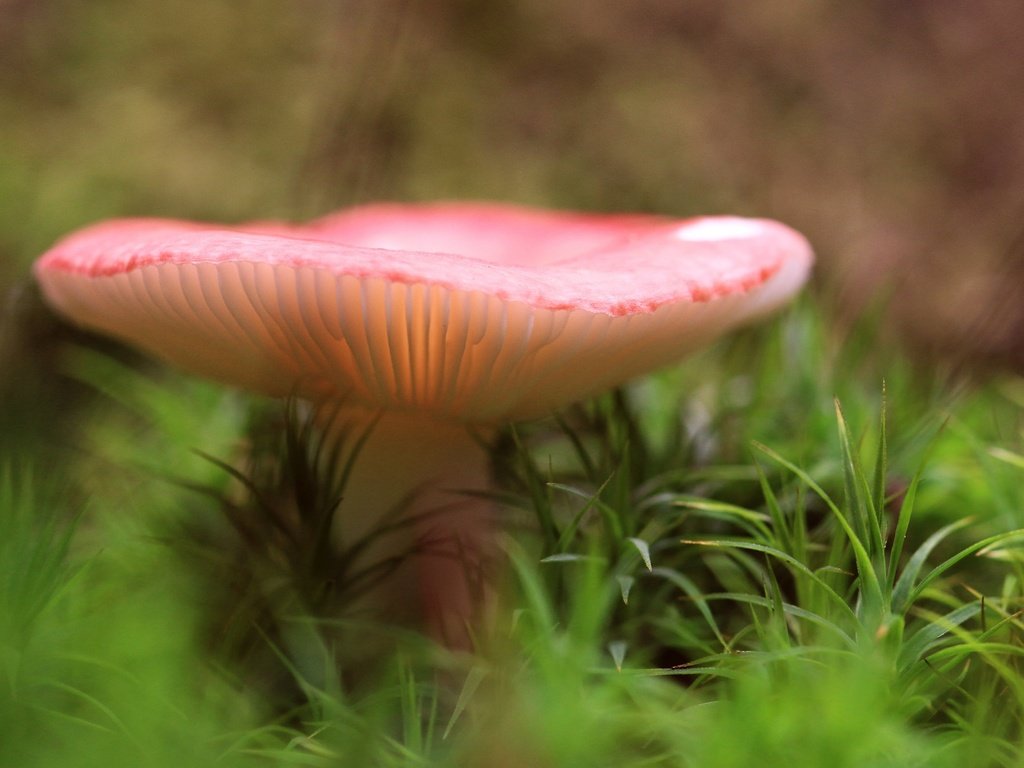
(891, 133)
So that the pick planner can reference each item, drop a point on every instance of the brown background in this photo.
(890, 131)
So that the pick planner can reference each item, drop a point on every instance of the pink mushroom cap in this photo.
(465, 311)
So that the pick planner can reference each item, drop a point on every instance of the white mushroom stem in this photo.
(416, 483)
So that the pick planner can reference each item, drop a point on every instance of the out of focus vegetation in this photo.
(783, 618)
(732, 572)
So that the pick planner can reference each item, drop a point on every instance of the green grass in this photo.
(793, 550)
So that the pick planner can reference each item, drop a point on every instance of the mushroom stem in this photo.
(412, 503)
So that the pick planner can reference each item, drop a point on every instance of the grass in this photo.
(794, 550)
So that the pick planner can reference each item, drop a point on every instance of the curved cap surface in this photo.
(475, 312)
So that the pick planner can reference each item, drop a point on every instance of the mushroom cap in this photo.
(476, 312)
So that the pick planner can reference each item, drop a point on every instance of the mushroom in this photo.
(429, 319)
